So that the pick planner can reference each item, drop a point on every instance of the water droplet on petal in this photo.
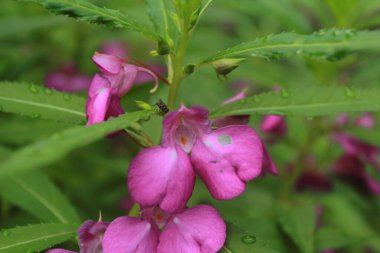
(48, 91)
(66, 97)
(33, 88)
(284, 93)
(5, 232)
(349, 92)
(248, 239)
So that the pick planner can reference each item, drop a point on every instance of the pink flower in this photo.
(275, 126)
(67, 79)
(365, 120)
(352, 163)
(115, 48)
(225, 159)
(116, 78)
(90, 237)
(198, 229)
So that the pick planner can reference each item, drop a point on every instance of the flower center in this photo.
(185, 137)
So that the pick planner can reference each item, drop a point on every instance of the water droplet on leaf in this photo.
(257, 99)
(36, 115)
(5, 232)
(66, 97)
(349, 92)
(30, 251)
(248, 239)
(285, 93)
(299, 51)
(48, 91)
(33, 88)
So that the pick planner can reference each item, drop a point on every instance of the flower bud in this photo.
(224, 66)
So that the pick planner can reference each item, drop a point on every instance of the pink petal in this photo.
(161, 176)
(97, 106)
(273, 124)
(130, 74)
(366, 120)
(237, 97)
(114, 108)
(184, 126)
(227, 158)
(59, 251)
(197, 229)
(268, 164)
(90, 236)
(109, 64)
(130, 235)
(144, 77)
(372, 184)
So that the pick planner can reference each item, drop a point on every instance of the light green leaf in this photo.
(91, 13)
(34, 101)
(331, 44)
(299, 223)
(306, 101)
(36, 194)
(240, 241)
(57, 146)
(35, 237)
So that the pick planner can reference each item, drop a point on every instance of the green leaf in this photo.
(332, 238)
(305, 101)
(240, 241)
(331, 44)
(35, 193)
(35, 237)
(91, 13)
(299, 223)
(34, 101)
(57, 146)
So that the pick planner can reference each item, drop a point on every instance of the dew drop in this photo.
(299, 51)
(36, 115)
(284, 93)
(349, 92)
(48, 91)
(309, 118)
(30, 251)
(33, 88)
(66, 97)
(257, 99)
(5, 232)
(248, 239)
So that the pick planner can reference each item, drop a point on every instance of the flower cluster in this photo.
(161, 178)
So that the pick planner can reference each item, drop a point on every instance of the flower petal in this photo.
(97, 101)
(90, 236)
(197, 229)
(227, 158)
(130, 235)
(129, 77)
(268, 164)
(109, 64)
(114, 108)
(161, 176)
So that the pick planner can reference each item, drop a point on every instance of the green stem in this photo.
(176, 66)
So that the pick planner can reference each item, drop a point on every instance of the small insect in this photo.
(162, 106)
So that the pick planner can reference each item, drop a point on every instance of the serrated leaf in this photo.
(36, 194)
(57, 146)
(331, 44)
(299, 223)
(91, 13)
(35, 237)
(34, 101)
(306, 101)
(240, 241)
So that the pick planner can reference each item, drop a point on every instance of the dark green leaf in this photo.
(331, 44)
(57, 146)
(305, 101)
(35, 193)
(34, 101)
(35, 237)
(299, 223)
(332, 238)
(91, 13)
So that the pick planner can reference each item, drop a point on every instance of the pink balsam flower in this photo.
(116, 78)
(67, 78)
(199, 229)
(352, 164)
(225, 159)
(90, 238)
